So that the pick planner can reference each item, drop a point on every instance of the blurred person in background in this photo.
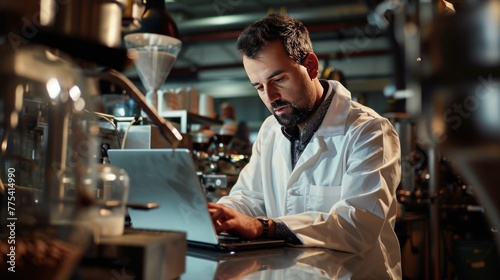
(241, 141)
(337, 75)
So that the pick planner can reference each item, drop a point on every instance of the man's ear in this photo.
(311, 63)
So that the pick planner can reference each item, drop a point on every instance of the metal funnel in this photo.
(154, 57)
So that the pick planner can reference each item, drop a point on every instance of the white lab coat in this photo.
(341, 193)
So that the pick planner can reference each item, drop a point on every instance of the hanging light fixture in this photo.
(156, 19)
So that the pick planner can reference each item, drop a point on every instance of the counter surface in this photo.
(283, 263)
(163, 255)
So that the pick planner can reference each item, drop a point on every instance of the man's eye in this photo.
(259, 88)
(278, 80)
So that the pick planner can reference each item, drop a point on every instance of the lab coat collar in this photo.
(335, 119)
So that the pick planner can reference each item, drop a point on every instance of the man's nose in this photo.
(271, 94)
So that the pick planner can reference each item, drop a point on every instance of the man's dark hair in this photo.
(291, 32)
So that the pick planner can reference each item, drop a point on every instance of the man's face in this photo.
(227, 113)
(285, 87)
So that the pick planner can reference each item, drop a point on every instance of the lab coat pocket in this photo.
(322, 198)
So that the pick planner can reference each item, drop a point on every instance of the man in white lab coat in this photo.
(324, 169)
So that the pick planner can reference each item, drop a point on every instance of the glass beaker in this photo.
(111, 195)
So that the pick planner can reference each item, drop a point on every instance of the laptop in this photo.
(168, 177)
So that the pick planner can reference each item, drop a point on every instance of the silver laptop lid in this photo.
(167, 177)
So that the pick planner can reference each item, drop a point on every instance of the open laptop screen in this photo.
(167, 177)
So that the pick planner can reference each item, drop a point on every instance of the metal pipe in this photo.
(171, 134)
(434, 241)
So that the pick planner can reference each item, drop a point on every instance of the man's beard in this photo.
(291, 119)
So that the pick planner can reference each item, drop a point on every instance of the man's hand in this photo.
(228, 220)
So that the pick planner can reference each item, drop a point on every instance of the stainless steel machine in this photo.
(460, 94)
(447, 69)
